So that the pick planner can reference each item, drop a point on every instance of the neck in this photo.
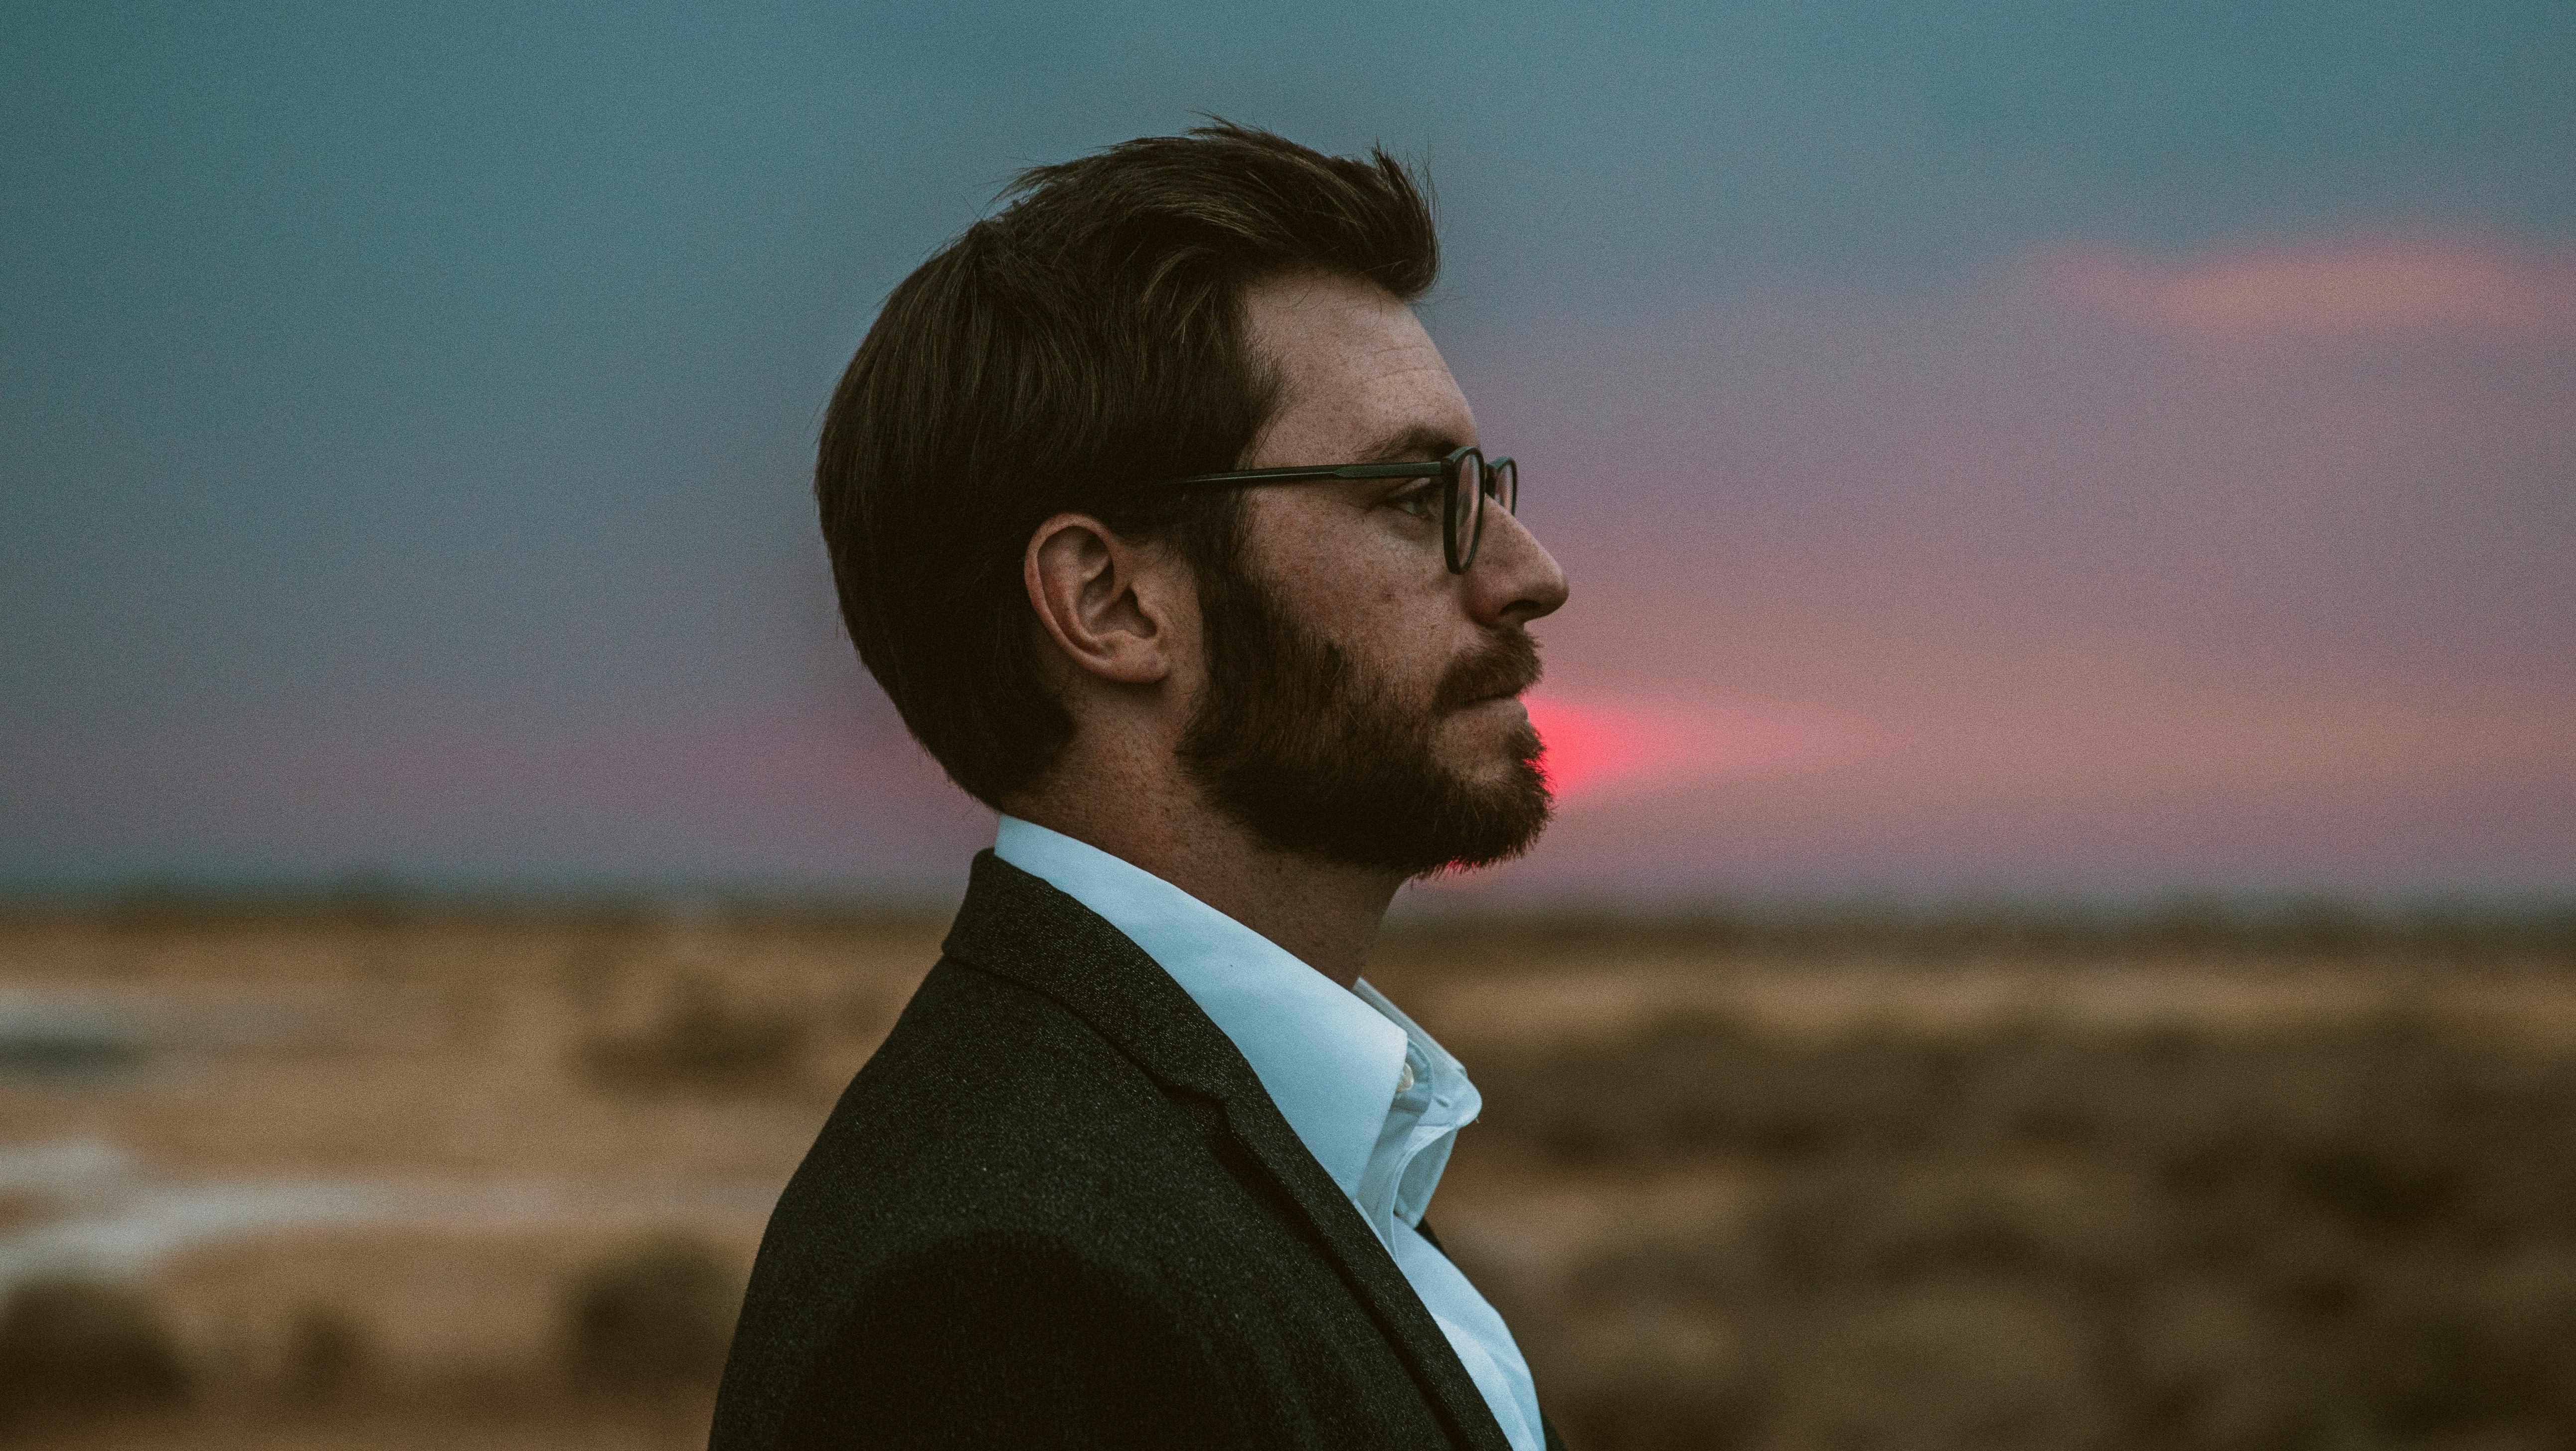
(1325, 916)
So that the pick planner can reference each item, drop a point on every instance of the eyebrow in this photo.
(1420, 441)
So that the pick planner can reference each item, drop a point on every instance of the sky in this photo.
(1996, 447)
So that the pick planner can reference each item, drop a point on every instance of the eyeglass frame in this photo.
(1499, 479)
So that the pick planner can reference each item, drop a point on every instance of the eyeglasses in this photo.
(1467, 480)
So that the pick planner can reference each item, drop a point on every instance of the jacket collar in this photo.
(1330, 1058)
(1016, 926)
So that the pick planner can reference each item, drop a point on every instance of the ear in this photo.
(1106, 602)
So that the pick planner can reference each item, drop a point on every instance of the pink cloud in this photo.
(2347, 288)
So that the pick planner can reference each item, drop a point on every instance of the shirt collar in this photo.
(1330, 1060)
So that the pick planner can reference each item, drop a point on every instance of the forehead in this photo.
(1356, 371)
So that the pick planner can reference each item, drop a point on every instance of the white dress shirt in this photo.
(1372, 1097)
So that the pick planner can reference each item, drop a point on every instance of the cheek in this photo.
(1401, 634)
(1356, 585)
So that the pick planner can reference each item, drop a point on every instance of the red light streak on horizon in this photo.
(1597, 748)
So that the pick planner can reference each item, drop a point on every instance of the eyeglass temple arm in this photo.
(1420, 469)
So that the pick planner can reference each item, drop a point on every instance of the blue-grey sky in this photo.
(1994, 445)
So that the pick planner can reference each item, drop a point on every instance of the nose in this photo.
(1513, 580)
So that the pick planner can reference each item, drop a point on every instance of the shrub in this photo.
(660, 1314)
(703, 1041)
(75, 1348)
(326, 1357)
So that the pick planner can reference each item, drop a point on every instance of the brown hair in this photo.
(1086, 338)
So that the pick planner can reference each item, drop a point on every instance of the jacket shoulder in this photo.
(982, 1085)
(996, 1178)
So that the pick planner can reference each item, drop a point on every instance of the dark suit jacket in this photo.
(1058, 1209)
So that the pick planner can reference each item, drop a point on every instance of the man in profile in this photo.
(1160, 519)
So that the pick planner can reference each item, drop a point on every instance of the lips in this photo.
(1500, 671)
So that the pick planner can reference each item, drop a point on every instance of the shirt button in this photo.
(1404, 1080)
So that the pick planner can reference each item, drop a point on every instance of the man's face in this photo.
(1359, 700)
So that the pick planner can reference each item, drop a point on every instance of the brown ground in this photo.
(1862, 1195)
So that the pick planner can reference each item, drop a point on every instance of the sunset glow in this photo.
(2082, 447)
(1605, 749)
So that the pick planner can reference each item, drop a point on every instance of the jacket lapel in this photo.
(1016, 926)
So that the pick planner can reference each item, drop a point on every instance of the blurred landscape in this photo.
(368, 1173)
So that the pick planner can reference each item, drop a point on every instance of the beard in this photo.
(1295, 742)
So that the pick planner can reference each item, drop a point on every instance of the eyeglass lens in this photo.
(1465, 508)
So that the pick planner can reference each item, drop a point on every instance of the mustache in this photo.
(1506, 667)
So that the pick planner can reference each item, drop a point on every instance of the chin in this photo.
(1488, 725)
(1486, 745)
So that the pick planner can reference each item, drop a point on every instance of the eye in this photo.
(1421, 499)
